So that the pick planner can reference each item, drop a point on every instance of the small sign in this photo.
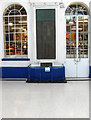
(47, 69)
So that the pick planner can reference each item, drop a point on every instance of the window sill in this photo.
(15, 59)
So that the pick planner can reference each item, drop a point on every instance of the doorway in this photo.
(77, 59)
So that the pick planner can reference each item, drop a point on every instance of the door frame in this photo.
(56, 29)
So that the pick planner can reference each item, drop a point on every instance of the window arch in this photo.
(76, 9)
(77, 31)
(15, 31)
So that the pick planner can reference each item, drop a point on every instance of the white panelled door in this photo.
(77, 59)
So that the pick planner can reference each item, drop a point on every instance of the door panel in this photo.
(77, 69)
(83, 68)
(70, 70)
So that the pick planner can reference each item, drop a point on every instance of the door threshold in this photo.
(77, 79)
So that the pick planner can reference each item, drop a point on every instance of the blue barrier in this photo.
(56, 74)
(90, 72)
(14, 72)
(39, 75)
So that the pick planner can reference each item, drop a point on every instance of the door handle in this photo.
(79, 58)
(75, 54)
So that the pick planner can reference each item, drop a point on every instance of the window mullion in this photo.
(77, 38)
(9, 35)
(15, 30)
(21, 36)
(83, 40)
(70, 41)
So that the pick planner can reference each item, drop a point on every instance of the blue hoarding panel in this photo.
(14, 72)
(53, 74)
(15, 59)
(46, 75)
(90, 72)
(58, 74)
(0, 72)
(34, 74)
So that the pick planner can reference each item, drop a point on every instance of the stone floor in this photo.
(45, 100)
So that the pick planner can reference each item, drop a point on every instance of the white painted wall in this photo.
(60, 28)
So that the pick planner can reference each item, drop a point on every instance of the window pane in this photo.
(68, 28)
(5, 20)
(73, 9)
(17, 20)
(24, 36)
(6, 45)
(11, 7)
(6, 52)
(6, 37)
(24, 48)
(24, 28)
(18, 7)
(18, 45)
(68, 11)
(18, 52)
(18, 28)
(12, 13)
(23, 12)
(11, 29)
(5, 29)
(12, 52)
(18, 36)
(12, 45)
(24, 20)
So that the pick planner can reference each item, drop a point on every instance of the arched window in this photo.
(15, 32)
(76, 31)
(76, 9)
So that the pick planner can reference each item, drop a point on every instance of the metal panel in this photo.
(45, 30)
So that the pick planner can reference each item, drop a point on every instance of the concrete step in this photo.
(78, 79)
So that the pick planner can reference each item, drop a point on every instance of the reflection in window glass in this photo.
(15, 31)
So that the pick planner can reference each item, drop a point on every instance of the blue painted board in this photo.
(90, 72)
(54, 75)
(14, 72)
